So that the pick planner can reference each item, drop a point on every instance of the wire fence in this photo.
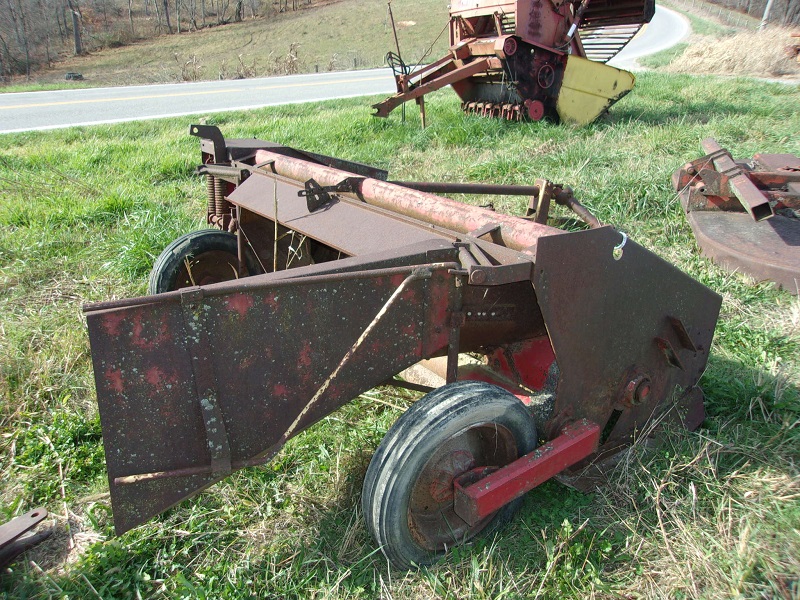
(719, 12)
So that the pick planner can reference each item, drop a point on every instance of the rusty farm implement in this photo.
(745, 214)
(528, 59)
(322, 280)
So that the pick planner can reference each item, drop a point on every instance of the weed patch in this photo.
(710, 514)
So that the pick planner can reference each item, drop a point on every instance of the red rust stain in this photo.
(159, 379)
(279, 390)
(271, 301)
(240, 303)
(114, 379)
(408, 330)
(409, 295)
(304, 360)
(377, 347)
(142, 340)
(112, 321)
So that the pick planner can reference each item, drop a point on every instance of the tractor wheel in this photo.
(198, 258)
(408, 489)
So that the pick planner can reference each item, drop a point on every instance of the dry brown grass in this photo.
(760, 54)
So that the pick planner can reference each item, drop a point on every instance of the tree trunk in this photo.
(130, 17)
(178, 15)
(23, 36)
(158, 15)
(765, 18)
(76, 28)
(166, 15)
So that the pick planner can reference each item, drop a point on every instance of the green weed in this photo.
(710, 514)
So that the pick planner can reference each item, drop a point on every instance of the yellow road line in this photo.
(184, 94)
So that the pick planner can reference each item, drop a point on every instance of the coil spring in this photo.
(222, 206)
(210, 189)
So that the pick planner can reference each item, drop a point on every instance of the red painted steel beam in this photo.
(479, 500)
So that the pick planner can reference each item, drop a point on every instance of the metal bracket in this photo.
(14, 536)
(318, 196)
(205, 381)
(212, 133)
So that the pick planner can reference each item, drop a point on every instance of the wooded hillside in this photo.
(35, 33)
(781, 12)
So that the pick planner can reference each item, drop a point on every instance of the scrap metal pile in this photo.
(528, 59)
(322, 280)
(745, 214)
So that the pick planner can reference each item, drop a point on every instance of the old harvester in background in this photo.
(528, 59)
(322, 280)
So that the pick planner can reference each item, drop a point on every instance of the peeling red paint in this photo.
(240, 303)
(114, 379)
(140, 338)
(304, 360)
(271, 301)
(111, 322)
(279, 390)
(527, 362)
(156, 377)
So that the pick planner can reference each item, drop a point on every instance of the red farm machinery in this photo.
(321, 279)
(528, 59)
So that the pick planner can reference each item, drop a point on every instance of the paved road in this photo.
(665, 30)
(66, 108)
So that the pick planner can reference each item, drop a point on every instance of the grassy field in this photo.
(349, 34)
(710, 514)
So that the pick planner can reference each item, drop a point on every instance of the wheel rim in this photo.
(206, 268)
(432, 521)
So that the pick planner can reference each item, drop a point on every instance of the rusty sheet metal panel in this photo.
(205, 380)
(630, 335)
(352, 227)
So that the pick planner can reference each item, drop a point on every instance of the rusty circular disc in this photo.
(510, 46)
(432, 521)
(535, 109)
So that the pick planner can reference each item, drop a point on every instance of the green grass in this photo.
(663, 58)
(711, 514)
(703, 26)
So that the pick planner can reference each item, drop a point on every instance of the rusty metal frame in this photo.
(197, 383)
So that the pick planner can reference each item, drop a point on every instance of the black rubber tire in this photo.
(210, 248)
(434, 423)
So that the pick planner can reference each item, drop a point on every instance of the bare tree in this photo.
(76, 27)
(166, 15)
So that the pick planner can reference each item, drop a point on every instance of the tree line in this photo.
(36, 33)
(779, 12)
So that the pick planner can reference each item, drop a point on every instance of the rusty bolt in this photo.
(637, 390)
(478, 276)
